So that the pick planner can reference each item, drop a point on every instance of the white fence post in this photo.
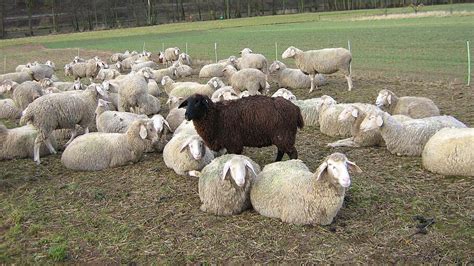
(215, 50)
(186, 48)
(5, 64)
(468, 64)
(143, 50)
(276, 51)
(163, 47)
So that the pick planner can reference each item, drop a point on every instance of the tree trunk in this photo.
(198, 6)
(2, 24)
(238, 9)
(30, 26)
(183, 15)
(262, 8)
(283, 6)
(274, 7)
(248, 8)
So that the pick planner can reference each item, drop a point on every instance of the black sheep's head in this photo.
(196, 106)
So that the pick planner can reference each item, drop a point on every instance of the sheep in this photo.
(18, 77)
(112, 121)
(224, 94)
(290, 192)
(414, 107)
(160, 73)
(255, 121)
(293, 78)
(249, 79)
(183, 71)
(224, 184)
(175, 117)
(127, 63)
(20, 68)
(169, 55)
(407, 138)
(324, 61)
(9, 110)
(97, 151)
(114, 58)
(213, 70)
(18, 142)
(133, 92)
(185, 59)
(138, 66)
(282, 92)
(450, 152)
(26, 92)
(186, 89)
(7, 87)
(184, 153)
(151, 105)
(41, 71)
(61, 110)
(153, 88)
(251, 60)
(107, 74)
(186, 127)
(83, 69)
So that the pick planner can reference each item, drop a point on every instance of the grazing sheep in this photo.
(175, 117)
(249, 79)
(184, 153)
(226, 93)
(26, 92)
(62, 110)
(107, 74)
(18, 142)
(169, 55)
(133, 92)
(293, 78)
(251, 60)
(9, 110)
(153, 88)
(186, 89)
(254, 121)
(290, 192)
(224, 184)
(450, 152)
(97, 151)
(414, 107)
(324, 61)
(407, 138)
(18, 77)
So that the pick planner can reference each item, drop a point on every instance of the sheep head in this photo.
(159, 122)
(196, 147)
(276, 66)
(238, 170)
(290, 52)
(215, 83)
(144, 128)
(372, 121)
(245, 51)
(336, 167)
(196, 106)
(385, 98)
(348, 112)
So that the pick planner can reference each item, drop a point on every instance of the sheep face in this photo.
(238, 170)
(347, 113)
(46, 82)
(383, 99)
(216, 83)
(336, 166)
(196, 106)
(371, 121)
(196, 147)
(68, 70)
(289, 53)
(246, 51)
(275, 67)
(159, 122)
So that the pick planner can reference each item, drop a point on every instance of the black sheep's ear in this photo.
(183, 104)
(207, 102)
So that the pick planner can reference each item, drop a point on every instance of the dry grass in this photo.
(416, 15)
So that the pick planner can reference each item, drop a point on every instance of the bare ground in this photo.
(146, 213)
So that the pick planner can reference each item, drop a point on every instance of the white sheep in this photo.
(184, 153)
(224, 184)
(183, 71)
(133, 92)
(9, 110)
(186, 89)
(213, 70)
(62, 110)
(107, 74)
(251, 60)
(83, 69)
(407, 138)
(153, 88)
(185, 59)
(137, 66)
(169, 55)
(175, 117)
(289, 191)
(249, 79)
(282, 92)
(41, 71)
(324, 61)
(450, 152)
(225, 93)
(160, 73)
(151, 105)
(18, 142)
(97, 151)
(26, 92)
(18, 77)
(414, 107)
(293, 78)
(309, 108)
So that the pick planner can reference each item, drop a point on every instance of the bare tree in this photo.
(29, 6)
(2, 23)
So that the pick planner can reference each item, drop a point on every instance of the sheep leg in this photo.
(349, 142)
(50, 147)
(313, 86)
(36, 149)
(293, 153)
(279, 155)
(73, 135)
(349, 81)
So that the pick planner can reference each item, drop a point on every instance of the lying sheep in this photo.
(20, 68)
(153, 88)
(107, 74)
(186, 89)
(309, 108)
(249, 79)
(414, 107)
(293, 78)
(151, 105)
(26, 92)
(7, 87)
(250, 60)
(226, 93)
(407, 138)
(112, 121)
(127, 63)
(290, 192)
(137, 66)
(183, 71)
(184, 153)
(160, 73)
(18, 142)
(97, 151)
(175, 117)
(18, 77)
(255, 121)
(213, 70)
(282, 92)
(62, 110)
(324, 61)
(9, 110)
(224, 184)
(450, 152)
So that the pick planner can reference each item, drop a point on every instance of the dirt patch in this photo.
(145, 213)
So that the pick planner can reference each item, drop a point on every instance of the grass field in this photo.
(145, 213)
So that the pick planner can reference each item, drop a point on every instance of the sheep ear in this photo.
(102, 103)
(100, 90)
(143, 132)
(320, 170)
(389, 99)
(183, 104)
(277, 67)
(353, 167)
(215, 83)
(225, 169)
(379, 121)
(185, 144)
(250, 166)
(163, 82)
(167, 125)
(354, 113)
(176, 52)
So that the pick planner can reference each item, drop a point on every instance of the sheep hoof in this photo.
(194, 173)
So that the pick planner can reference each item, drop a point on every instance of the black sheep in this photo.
(255, 121)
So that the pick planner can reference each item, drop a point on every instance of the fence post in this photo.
(163, 47)
(77, 52)
(186, 48)
(4, 64)
(468, 64)
(276, 51)
(143, 50)
(350, 50)
(215, 50)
